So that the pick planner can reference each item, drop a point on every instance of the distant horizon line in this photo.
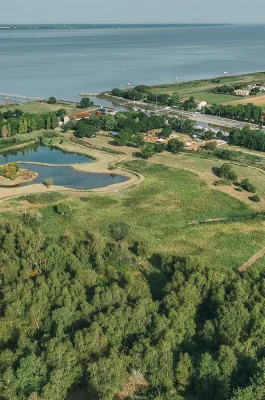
(130, 23)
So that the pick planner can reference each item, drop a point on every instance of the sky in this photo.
(131, 11)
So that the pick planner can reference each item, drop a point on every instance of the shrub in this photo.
(249, 187)
(63, 209)
(210, 146)
(255, 198)
(141, 249)
(239, 189)
(10, 170)
(227, 173)
(119, 230)
(48, 182)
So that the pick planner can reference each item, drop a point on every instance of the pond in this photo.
(70, 178)
(43, 154)
(61, 175)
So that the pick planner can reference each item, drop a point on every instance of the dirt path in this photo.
(252, 261)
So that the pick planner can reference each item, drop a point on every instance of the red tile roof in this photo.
(85, 114)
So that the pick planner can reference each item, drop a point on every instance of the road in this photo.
(195, 116)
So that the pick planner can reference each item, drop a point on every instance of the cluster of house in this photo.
(246, 92)
(86, 115)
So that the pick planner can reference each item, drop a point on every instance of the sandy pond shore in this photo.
(103, 161)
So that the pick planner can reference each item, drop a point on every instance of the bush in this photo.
(227, 173)
(119, 230)
(210, 146)
(223, 182)
(48, 182)
(249, 187)
(239, 189)
(63, 209)
(255, 198)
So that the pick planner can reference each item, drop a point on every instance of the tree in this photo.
(22, 127)
(190, 104)
(84, 130)
(52, 100)
(109, 122)
(86, 103)
(166, 132)
(175, 146)
(174, 100)
(184, 372)
(61, 113)
(147, 150)
(254, 91)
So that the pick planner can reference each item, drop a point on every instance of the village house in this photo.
(241, 92)
(76, 117)
(199, 103)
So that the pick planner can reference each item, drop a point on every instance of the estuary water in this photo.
(65, 60)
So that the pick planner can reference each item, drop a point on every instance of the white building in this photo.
(243, 93)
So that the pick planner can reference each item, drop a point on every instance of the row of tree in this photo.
(241, 112)
(143, 92)
(250, 139)
(79, 312)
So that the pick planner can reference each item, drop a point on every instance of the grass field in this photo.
(42, 108)
(203, 167)
(201, 89)
(258, 100)
(158, 212)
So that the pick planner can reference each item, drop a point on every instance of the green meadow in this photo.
(160, 212)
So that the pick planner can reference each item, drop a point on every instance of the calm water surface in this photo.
(44, 154)
(70, 178)
(63, 62)
(62, 176)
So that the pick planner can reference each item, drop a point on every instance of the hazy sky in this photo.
(131, 11)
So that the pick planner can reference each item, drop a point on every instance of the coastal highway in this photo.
(195, 116)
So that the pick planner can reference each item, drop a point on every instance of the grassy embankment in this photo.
(158, 212)
(201, 89)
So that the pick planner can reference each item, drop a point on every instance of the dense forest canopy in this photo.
(97, 314)
(13, 122)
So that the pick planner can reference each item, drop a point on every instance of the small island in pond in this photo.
(12, 175)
